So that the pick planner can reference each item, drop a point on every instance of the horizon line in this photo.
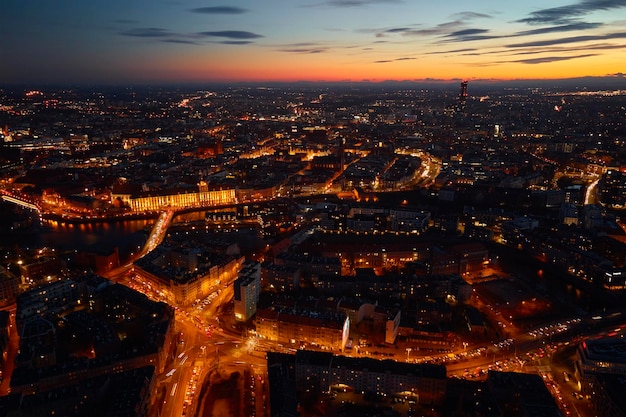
(430, 81)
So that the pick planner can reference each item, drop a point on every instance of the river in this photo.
(127, 235)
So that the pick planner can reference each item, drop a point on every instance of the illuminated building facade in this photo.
(323, 329)
(183, 290)
(613, 189)
(155, 201)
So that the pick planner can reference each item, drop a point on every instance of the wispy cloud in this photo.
(470, 15)
(236, 42)
(595, 47)
(147, 33)
(452, 51)
(180, 41)
(385, 61)
(304, 50)
(440, 29)
(219, 10)
(231, 37)
(451, 29)
(568, 13)
(561, 28)
(468, 35)
(572, 39)
(231, 34)
(548, 59)
(307, 47)
(351, 3)
(397, 30)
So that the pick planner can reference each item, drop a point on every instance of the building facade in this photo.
(247, 288)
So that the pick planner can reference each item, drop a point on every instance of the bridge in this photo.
(159, 229)
(20, 201)
(158, 232)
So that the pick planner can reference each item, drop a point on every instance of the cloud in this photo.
(396, 30)
(448, 29)
(233, 37)
(231, 34)
(573, 39)
(470, 15)
(304, 50)
(308, 47)
(180, 41)
(466, 32)
(596, 47)
(385, 61)
(466, 35)
(452, 51)
(440, 29)
(566, 14)
(219, 10)
(547, 59)
(299, 44)
(147, 33)
(473, 34)
(561, 28)
(236, 42)
(352, 3)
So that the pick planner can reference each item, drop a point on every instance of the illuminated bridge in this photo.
(21, 202)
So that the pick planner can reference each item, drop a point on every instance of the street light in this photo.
(408, 350)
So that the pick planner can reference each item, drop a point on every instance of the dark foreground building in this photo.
(307, 371)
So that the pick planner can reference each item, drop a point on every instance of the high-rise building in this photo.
(247, 289)
(463, 94)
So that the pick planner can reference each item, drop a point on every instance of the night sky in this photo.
(152, 41)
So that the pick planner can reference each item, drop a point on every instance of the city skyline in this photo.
(311, 40)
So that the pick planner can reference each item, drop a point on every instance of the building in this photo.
(389, 319)
(114, 328)
(41, 270)
(283, 278)
(99, 259)
(5, 333)
(568, 214)
(324, 372)
(519, 394)
(600, 356)
(9, 285)
(608, 395)
(613, 189)
(49, 299)
(184, 279)
(176, 199)
(281, 382)
(328, 330)
(247, 288)
(462, 99)
(130, 392)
